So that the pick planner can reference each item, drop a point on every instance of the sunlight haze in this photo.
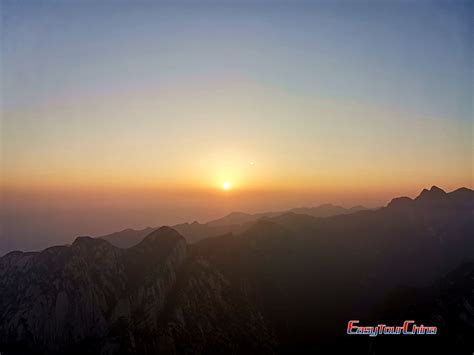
(172, 112)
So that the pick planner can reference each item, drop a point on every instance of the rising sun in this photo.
(226, 185)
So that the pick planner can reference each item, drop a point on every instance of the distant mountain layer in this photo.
(235, 222)
(325, 210)
(128, 237)
(286, 284)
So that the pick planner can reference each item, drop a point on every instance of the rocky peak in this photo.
(89, 242)
(400, 202)
(162, 235)
(432, 194)
(463, 197)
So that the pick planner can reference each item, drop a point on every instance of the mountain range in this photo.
(284, 283)
(235, 222)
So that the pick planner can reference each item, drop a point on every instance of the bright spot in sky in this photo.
(252, 163)
(226, 185)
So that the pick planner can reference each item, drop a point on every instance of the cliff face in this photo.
(92, 297)
(207, 314)
(70, 296)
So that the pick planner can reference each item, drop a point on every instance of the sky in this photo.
(123, 114)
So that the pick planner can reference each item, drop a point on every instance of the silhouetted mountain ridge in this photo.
(286, 283)
(235, 222)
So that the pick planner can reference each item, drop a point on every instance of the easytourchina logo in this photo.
(408, 328)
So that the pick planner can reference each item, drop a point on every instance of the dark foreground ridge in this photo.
(284, 284)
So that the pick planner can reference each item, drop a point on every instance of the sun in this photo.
(226, 185)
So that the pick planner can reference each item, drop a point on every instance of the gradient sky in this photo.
(347, 102)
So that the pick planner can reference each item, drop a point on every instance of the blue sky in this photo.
(119, 114)
(415, 55)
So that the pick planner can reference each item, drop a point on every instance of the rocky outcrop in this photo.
(92, 297)
(66, 297)
(207, 314)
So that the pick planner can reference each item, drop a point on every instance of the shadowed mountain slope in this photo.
(285, 284)
(310, 275)
(95, 298)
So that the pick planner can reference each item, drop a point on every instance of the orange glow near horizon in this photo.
(344, 147)
(143, 113)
